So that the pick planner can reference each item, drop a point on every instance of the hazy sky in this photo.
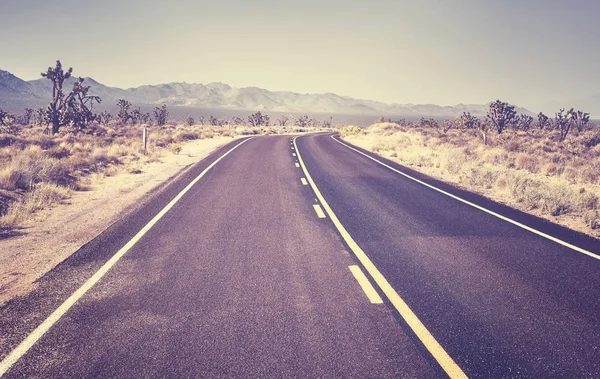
(422, 51)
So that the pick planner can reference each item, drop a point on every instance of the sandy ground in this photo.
(59, 232)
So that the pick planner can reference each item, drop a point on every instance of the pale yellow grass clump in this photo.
(535, 173)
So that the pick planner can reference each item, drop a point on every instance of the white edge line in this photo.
(38, 332)
(523, 226)
(430, 343)
(366, 285)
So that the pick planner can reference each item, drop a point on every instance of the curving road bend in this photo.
(246, 275)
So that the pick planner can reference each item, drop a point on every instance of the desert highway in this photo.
(286, 256)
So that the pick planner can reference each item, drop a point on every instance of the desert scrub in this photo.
(534, 172)
(42, 196)
(349, 130)
(175, 148)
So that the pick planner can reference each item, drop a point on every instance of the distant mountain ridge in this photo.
(16, 93)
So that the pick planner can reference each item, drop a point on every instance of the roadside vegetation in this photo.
(47, 153)
(549, 167)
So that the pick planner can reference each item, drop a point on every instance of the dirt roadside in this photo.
(55, 234)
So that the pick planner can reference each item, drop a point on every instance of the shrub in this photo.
(175, 148)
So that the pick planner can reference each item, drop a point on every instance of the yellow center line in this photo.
(366, 286)
(430, 343)
(319, 211)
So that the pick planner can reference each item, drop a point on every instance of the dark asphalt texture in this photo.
(502, 301)
(239, 279)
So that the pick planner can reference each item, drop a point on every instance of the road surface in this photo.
(283, 257)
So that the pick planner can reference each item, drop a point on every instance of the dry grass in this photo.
(37, 171)
(532, 172)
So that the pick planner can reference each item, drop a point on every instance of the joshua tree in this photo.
(448, 124)
(104, 117)
(28, 116)
(161, 114)
(302, 121)
(401, 122)
(501, 115)
(190, 121)
(123, 114)
(212, 120)
(71, 108)
(136, 116)
(145, 118)
(283, 120)
(523, 122)
(466, 120)
(40, 116)
(7, 121)
(581, 120)
(257, 119)
(327, 123)
(237, 121)
(543, 121)
(563, 122)
(431, 123)
(80, 105)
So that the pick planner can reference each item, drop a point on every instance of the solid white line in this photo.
(319, 211)
(523, 226)
(430, 343)
(304, 182)
(366, 286)
(38, 332)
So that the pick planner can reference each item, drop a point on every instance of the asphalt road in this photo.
(242, 278)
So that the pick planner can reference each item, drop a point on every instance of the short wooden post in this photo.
(145, 139)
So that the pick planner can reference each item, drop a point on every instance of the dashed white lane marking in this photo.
(304, 182)
(319, 211)
(428, 340)
(293, 154)
(38, 332)
(297, 164)
(366, 286)
(523, 226)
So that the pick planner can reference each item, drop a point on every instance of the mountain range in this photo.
(16, 94)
